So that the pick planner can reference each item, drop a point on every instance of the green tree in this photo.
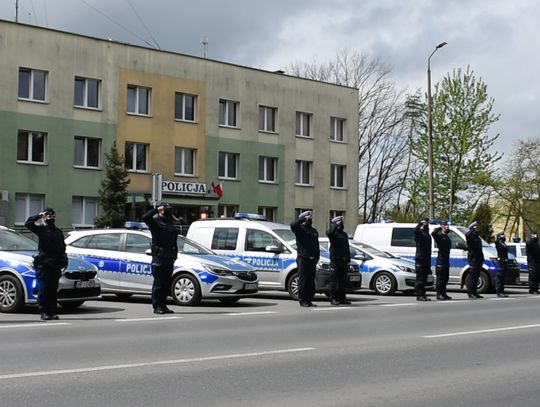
(113, 192)
(462, 156)
(483, 215)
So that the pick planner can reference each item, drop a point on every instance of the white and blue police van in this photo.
(398, 239)
(267, 246)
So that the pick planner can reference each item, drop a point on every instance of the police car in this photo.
(382, 272)
(123, 259)
(269, 247)
(18, 284)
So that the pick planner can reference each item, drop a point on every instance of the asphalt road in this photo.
(268, 351)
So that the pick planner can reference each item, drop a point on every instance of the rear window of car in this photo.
(512, 250)
(82, 242)
(104, 242)
(224, 239)
(403, 237)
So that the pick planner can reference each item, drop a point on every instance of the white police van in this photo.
(267, 246)
(398, 238)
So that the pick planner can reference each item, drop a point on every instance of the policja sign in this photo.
(183, 188)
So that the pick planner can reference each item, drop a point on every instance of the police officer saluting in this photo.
(49, 262)
(340, 257)
(422, 259)
(307, 242)
(533, 262)
(502, 257)
(442, 268)
(164, 254)
(475, 257)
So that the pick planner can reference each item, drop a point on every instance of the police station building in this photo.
(225, 138)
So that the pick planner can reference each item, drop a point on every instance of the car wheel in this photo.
(231, 300)
(384, 283)
(292, 285)
(484, 283)
(11, 294)
(71, 305)
(185, 290)
(123, 296)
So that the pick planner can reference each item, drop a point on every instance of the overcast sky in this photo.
(498, 39)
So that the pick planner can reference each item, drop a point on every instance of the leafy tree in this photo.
(113, 192)
(484, 217)
(462, 156)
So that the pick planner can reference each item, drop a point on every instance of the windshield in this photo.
(12, 241)
(287, 235)
(464, 230)
(187, 246)
(370, 249)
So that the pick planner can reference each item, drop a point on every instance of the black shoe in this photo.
(344, 302)
(310, 304)
(502, 295)
(304, 304)
(159, 311)
(447, 297)
(54, 316)
(167, 310)
(334, 302)
(46, 317)
(533, 292)
(479, 296)
(441, 297)
(422, 298)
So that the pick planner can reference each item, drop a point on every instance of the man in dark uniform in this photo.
(340, 257)
(49, 262)
(533, 262)
(502, 258)
(307, 247)
(164, 254)
(442, 268)
(422, 258)
(475, 257)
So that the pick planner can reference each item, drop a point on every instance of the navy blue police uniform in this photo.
(475, 257)
(49, 262)
(532, 249)
(502, 260)
(442, 267)
(422, 259)
(308, 252)
(340, 257)
(164, 254)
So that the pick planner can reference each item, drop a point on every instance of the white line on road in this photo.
(150, 364)
(501, 299)
(34, 324)
(482, 331)
(237, 314)
(407, 304)
(146, 319)
(334, 308)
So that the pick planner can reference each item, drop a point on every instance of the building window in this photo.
(303, 172)
(87, 152)
(31, 147)
(303, 124)
(185, 106)
(138, 100)
(269, 212)
(336, 129)
(298, 211)
(267, 169)
(228, 165)
(334, 213)
(227, 211)
(32, 84)
(136, 157)
(267, 118)
(184, 161)
(27, 205)
(84, 210)
(337, 176)
(87, 93)
(228, 113)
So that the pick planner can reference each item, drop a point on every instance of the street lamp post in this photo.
(430, 135)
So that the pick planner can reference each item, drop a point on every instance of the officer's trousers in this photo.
(533, 279)
(442, 272)
(306, 278)
(472, 279)
(161, 271)
(500, 277)
(47, 284)
(422, 273)
(338, 279)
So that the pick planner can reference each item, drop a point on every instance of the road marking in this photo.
(501, 299)
(34, 324)
(237, 314)
(407, 304)
(482, 331)
(146, 319)
(334, 308)
(150, 364)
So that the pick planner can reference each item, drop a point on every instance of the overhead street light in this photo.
(430, 136)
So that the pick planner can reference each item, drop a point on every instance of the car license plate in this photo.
(354, 278)
(250, 286)
(85, 284)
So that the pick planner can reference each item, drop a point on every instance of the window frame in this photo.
(195, 105)
(183, 173)
(300, 124)
(85, 165)
(31, 85)
(334, 176)
(134, 155)
(85, 104)
(137, 106)
(226, 174)
(264, 111)
(30, 147)
(266, 210)
(334, 121)
(84, 200)
(226, 112)
(265, 160)
(28, 210)
(300, 173)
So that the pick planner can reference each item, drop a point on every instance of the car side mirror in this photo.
(360, 257)
(461, 245)
(273, 249)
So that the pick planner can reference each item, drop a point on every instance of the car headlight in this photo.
(405, 269)
(218, 271)
(325, 265)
